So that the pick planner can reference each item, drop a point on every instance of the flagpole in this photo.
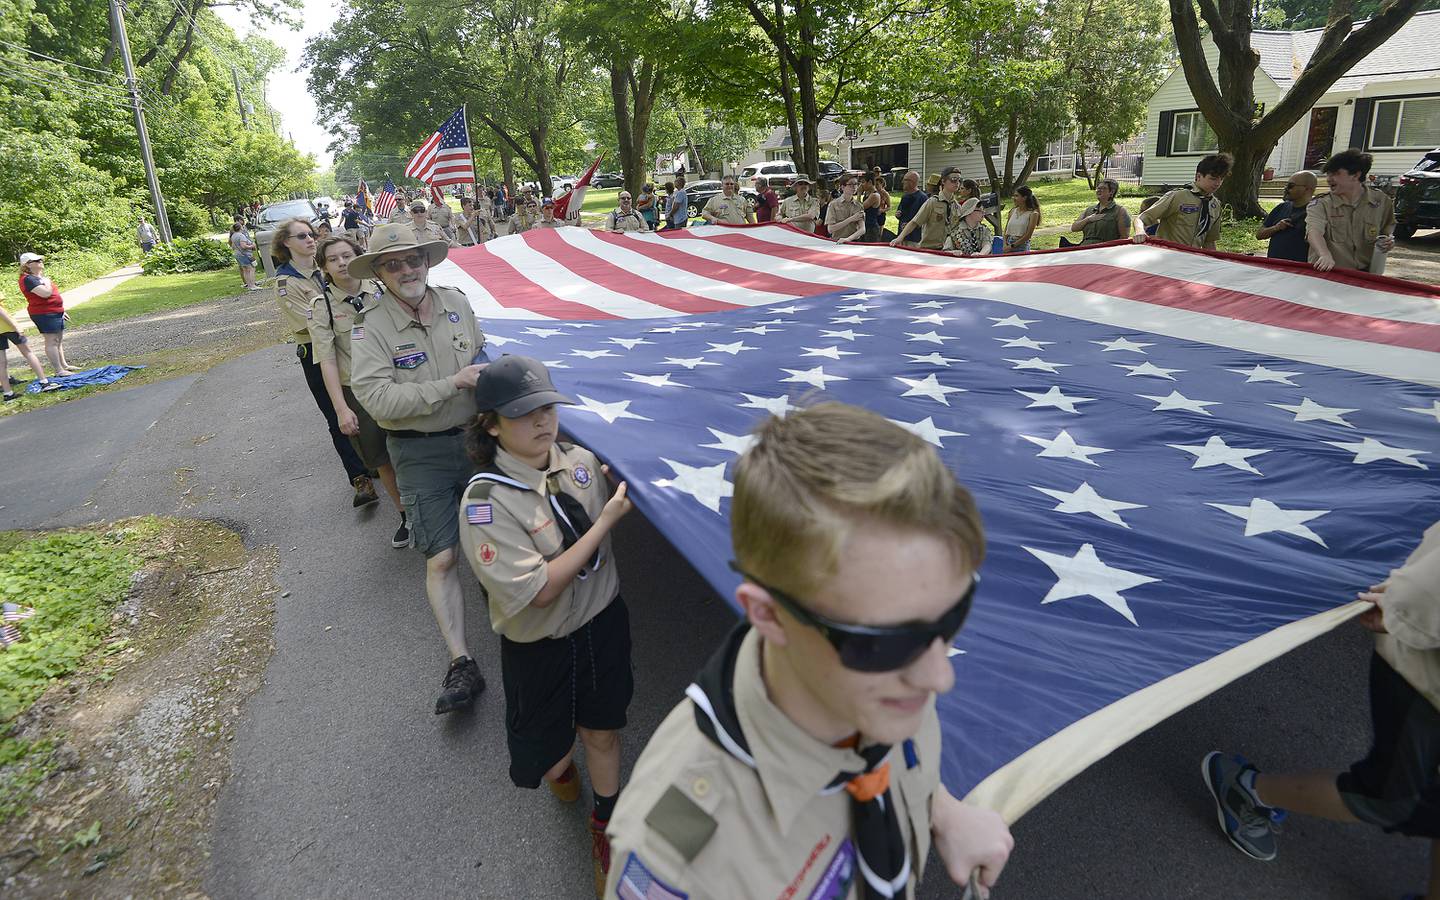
(474, 174)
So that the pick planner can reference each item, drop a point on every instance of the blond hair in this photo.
(813, 478)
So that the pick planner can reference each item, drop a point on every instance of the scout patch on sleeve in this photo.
(486, 553)
(357, 333)
(681, 822)
(639, 883)
(282, 290)
(581, 475)
(454, 317)
(479, 513)
(410, 360)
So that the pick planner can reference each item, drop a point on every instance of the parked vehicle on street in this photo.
(273, 215)
(780, 173)
(607, 180)
(1417, 197)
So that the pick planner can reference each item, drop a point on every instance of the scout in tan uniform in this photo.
(547, 215)
(728, 207)
(526, 526)
(425, 229)
(1345, 227)
(413, 366)
(625, 217)
(333, 316)
(527, 212)
(297, 284)
(801, 209)
(441, 214)
(845, 216)
(938, 216)
(1190, 215)
(806, 760)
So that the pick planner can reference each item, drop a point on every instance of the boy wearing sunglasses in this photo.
(805, 761)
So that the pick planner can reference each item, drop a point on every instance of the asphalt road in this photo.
(346, 785)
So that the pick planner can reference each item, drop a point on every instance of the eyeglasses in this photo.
(877, 648)
(396, 266)
(955, 178)
(303, 236)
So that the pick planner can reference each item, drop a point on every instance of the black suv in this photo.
(1417, 198)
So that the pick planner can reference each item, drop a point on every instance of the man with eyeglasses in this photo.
(415, 358)
(728, 207)
(424, 228)
(938, 216)
(806, 760)
(1284, 227)
(625, 217)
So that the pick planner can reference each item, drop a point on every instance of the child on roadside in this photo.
(535, 525)
(10, 336)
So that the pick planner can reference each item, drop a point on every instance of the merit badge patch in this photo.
(479, 514)
(581, 476)
(454, 317)
(357, 333)
(486, 554)
(638, 883)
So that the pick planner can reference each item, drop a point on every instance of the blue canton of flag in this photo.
(1150, 502)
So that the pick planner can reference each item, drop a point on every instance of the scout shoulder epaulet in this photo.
(482, 482)
(681, 822)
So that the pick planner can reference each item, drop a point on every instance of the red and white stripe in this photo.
(384, 204)
(1376, 325)
(438, 168)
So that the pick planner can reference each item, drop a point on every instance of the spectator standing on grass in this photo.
(1024, 218)
(824, 195)
(333, 317)
(1107, 220)
(677, 212)
(298, 283)
(1284, 226)
(1347, 226)
(46, 309)
(769, 201)
(910, 202)
(1190, 215)
(244, 250)
(845, 217)
(10, 336)
(649, 206)
(145, 236)
(874, 203)
(1397, 785)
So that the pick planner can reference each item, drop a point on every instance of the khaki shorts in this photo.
(432, 473)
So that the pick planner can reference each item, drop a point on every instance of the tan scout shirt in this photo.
(1178, 214)
(791, 207)
(295, 290)
(510, 535)
(401, 369)
(729, 210)
(401, 216)
(936, 218)
(625, 221)
(1350, 229)
(527, 213)
(770, 831)
(434, 232)
(441, 214)
(1412, 616)
(839, 210)
(333, 320)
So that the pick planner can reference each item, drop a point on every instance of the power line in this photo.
(24, 49)
(60, 87)
(32, 69)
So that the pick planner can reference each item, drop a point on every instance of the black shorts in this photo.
(12, 338)
(1397, 785)
(554, 685)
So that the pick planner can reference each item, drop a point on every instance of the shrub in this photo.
(187, 255)
(187, 219)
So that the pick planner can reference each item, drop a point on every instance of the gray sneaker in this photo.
(1249, 825)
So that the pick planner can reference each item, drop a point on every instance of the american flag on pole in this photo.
(385, 200)
(1187, 462)
(445, 158)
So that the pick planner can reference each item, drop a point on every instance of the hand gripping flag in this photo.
(1187, 462)
(445, 158)
(568, 206)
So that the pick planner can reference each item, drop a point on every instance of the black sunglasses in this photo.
(876, 648)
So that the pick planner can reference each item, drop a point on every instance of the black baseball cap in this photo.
(514, 386)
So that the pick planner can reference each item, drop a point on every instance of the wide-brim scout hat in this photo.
(392, 238)
(514, 386)
(802, 179)
(966, 209)
(933, 181)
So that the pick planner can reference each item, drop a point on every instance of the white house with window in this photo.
(1388, 105)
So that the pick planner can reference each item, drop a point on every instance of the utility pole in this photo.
(240, 99)
(117, 21)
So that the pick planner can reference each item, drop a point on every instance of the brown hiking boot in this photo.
(599, 854)
(364, 491)
(567, 791)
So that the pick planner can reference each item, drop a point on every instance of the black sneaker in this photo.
(364, 491)
(463, 683)
(402, 535)
(9, 395)
(48, 386)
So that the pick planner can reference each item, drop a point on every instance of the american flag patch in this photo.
(636, 883)
(357, 333)
(14, 612)
(479, 514)
(9, 634)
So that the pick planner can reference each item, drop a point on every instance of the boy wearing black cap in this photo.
(535, 524)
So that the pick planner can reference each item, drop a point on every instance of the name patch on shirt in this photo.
(839, 875)
(410, 360)
(479, 514)
(639, 883)
(1189, 208)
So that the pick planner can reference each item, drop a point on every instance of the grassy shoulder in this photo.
(66, 268)
(156, 293)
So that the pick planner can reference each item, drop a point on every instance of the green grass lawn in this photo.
(153, 293)
(600, 200)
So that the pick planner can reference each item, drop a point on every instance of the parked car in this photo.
(700, 192)
(1417, 198)
(607, 180)
(830, 169)
(780, 173)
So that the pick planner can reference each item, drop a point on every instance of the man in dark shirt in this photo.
(769, 201)
(910, 203)
(1285, 226)
(350, 218)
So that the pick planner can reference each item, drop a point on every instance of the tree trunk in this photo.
(541, 155)
(148, 56)
(1008, 186)
(1080, 137)
(690, 143)
(621, 73)
(507, 168)
(990, 172)
(1241, 190)
(168, 84)
(645, 88)
(792, 121)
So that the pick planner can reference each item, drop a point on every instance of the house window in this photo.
(1411, 123)
(1192, 134)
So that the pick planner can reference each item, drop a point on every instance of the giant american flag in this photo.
(1187, 462)
(445, 157)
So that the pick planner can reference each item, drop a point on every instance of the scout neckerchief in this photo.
(879, 840)
(1202, 222)
(570, 514)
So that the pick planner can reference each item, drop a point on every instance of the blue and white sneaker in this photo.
(1249, 824)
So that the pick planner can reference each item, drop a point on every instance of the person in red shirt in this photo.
(769, 201)
(46, 308)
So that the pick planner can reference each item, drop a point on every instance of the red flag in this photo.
(576, 194)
